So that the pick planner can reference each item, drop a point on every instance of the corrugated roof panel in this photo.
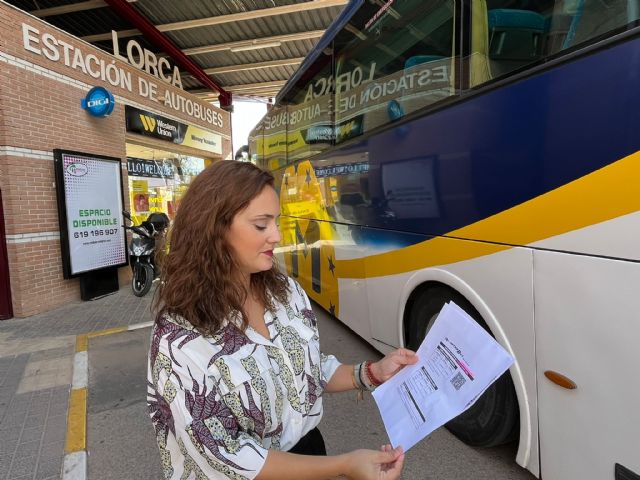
(88, 22)
(286, 50)
(168, 12)
(190, 82)
(282, 72)
(317, 19)
(28, 5)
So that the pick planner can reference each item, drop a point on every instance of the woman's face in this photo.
(254, 233)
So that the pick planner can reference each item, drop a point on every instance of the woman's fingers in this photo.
(392, 467)
(395, 469)
(406, 356)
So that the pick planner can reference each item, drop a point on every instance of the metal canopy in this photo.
(246, 47)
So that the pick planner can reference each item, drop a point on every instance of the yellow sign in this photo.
(149, 123)
(141, 186)
(202, 140)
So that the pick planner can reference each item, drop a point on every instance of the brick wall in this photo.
(39, 112)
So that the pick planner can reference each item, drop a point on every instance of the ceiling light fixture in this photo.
(255, 46)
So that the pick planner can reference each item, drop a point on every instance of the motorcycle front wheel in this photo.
(142, 279)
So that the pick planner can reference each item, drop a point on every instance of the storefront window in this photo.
(158, 179)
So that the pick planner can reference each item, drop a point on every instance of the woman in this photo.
(235, 373)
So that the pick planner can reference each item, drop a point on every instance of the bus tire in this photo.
(495, 418)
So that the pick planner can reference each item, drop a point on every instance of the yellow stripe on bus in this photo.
(602, 195)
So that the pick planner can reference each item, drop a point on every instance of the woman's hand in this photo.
(392, 363)
(371, 465)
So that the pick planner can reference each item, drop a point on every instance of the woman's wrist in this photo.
(376, 372)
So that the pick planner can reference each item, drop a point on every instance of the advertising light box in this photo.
(90, 204)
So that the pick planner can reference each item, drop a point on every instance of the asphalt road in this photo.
(121, 441)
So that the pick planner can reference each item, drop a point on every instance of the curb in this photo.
(75, 458)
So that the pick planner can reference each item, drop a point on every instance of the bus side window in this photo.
(515, 39)
(421, 59)
(511, 34)
(559, 25)
(592, 18)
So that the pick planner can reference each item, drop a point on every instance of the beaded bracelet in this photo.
(364, 378)
(371, 376)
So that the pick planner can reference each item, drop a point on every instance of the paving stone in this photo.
(13, 421)
(55, 425)
(49, 468)
(60, 394)
(51, 353)
(44, 374)
(10, 434)
(22, 467)
(21, 401)
(5, 463)
(19, 405)
(31, 434)
(8, 448)
(54, 436)
(30, 449)
(35, 421)
(57, 409)
(42, 393)
(5, 362)
(52, 450)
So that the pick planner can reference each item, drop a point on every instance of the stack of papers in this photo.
(458, 361)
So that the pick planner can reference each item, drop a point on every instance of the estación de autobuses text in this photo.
(109, 71)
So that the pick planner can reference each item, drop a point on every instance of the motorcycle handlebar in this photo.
(139, 230)
(145, 229)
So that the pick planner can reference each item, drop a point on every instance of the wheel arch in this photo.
(422, 280)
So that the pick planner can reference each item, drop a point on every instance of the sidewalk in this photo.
(36, 367)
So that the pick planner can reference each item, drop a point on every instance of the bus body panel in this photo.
(505, 303)
(587, 329)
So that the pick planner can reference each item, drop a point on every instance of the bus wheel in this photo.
(495, 418)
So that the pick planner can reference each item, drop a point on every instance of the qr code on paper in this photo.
(458, 381)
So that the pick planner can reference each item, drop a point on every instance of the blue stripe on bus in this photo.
(509, 145)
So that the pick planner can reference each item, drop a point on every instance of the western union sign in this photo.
(152, 125)
(149, 123)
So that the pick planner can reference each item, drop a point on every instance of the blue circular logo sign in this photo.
(99, 102)
(394, 110)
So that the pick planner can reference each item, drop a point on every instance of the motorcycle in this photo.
(142, 248)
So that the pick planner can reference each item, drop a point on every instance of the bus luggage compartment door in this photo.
(587, 329)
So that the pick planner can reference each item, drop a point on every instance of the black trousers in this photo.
(311, 444)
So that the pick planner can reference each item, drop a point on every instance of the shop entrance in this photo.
(158, 179)
(6, 310)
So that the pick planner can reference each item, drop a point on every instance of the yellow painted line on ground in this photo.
(76, 440)
(108, 331)
(81, 343)
(77, 421)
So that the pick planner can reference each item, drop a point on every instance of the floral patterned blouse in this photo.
(219, 403)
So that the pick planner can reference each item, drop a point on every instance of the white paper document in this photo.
(458, 361)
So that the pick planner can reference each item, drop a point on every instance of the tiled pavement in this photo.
(36, 365)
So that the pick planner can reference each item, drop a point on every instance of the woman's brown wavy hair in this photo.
(199, 272)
